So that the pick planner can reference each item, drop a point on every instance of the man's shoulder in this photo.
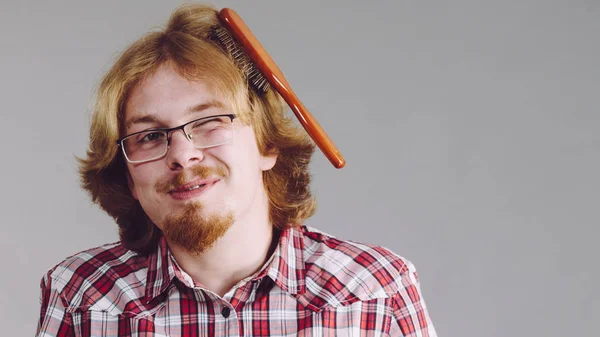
(88, 276)
(341, 272)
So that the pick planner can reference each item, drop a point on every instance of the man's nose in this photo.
(182, 153)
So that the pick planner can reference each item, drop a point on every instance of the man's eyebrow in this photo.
(141, 119)
(153, 119)
(206, 105)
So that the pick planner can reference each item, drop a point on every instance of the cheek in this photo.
(143, 182)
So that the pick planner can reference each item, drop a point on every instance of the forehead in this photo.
(168, 96)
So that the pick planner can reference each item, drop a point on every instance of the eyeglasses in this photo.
(143, 146)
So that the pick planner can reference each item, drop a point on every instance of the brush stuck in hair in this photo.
(239, 57)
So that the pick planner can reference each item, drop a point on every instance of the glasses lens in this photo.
(211, 131)
(145, 145)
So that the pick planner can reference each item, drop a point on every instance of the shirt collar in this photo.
(286, 267)
(161, 270)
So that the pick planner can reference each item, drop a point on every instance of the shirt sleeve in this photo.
(54, 320)
(410, 316)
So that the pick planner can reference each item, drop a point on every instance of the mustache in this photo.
(199, 171)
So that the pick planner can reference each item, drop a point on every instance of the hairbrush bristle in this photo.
(239, 57)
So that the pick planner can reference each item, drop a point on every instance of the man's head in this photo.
(170, 78)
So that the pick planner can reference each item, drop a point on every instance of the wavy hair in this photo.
(184, 44)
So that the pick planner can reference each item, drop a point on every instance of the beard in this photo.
(189, 228)
(193, 231)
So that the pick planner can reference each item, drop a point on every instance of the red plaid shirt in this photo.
(313, 285)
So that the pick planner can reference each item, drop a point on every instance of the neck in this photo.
(241, 252)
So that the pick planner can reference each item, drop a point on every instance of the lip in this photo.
(182, 193)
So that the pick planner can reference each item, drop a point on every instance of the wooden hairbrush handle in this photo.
(255, 51)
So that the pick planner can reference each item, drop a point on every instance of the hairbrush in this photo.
(263, 73)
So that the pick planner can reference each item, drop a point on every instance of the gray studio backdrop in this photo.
(471, 131)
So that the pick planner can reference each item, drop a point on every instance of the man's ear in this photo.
(130, 185)
(268, 161)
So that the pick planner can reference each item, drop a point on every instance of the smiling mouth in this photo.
(192, 190)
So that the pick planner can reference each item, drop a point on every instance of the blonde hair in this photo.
(185, 46)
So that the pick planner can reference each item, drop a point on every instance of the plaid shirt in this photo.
(313, 285)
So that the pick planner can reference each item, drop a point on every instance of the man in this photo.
(209, 184)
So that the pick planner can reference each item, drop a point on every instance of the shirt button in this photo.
(225, 312)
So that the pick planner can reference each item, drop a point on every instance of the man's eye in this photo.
(151, 137)
(205, 124)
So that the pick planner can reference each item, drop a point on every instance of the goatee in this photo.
(193, 231)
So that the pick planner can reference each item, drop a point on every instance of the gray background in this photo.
(471, 131)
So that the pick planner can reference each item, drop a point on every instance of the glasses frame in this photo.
(169, 131)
